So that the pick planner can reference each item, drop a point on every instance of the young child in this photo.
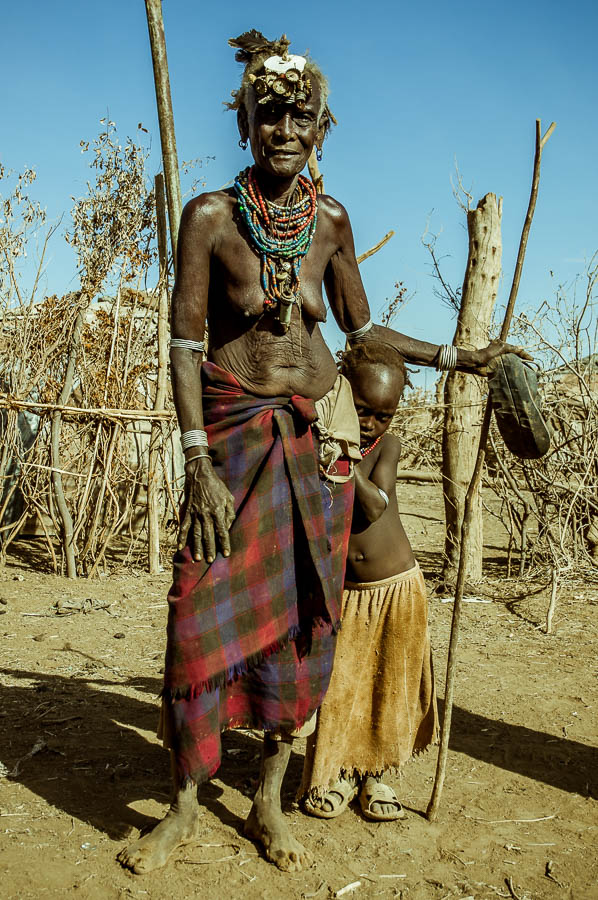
(380, 707)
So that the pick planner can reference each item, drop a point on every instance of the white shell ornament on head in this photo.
(281, 64)
(283, 80)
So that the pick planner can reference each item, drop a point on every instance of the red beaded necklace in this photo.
(282, 235)
(369, 447)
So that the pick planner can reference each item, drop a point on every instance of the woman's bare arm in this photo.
(350, 307)
(209, 510)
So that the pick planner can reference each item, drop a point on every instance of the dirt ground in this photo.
(81, 768)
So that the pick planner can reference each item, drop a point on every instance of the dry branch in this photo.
(7, 402)
(375, 248)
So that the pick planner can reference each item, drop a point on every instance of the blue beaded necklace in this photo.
(282, 235)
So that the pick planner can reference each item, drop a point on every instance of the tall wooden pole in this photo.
(155, 26)
(451, 668)
(157, 432)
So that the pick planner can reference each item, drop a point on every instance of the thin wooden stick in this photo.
(92, 412)
(375, 248)
(451, 668)
(553, 596)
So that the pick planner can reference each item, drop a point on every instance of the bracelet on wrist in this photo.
(446, 359)
(197, 456)
(359, 332)
(184, 344)
(195, 437)
(384, 496)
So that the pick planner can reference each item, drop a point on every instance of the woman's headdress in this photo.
(275, 75)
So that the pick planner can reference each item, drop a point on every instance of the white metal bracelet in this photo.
(384, 495)
(184, 344)
(194, 438)
(359, 332)
(447, 358)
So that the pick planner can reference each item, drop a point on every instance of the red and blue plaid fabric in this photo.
(288, 543)
(279, 695)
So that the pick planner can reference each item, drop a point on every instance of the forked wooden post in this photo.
(451, 668)
(464, 395)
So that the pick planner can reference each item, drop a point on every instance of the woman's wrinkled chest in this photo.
(236, 274)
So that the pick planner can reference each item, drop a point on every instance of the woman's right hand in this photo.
(209, 512)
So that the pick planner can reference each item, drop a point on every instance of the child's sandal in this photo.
(339, 795)
(380, 793)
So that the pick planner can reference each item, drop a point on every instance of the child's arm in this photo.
(383, 475)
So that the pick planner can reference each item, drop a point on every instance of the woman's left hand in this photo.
(485, 359)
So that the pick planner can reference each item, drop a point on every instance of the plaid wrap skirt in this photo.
(250, 638)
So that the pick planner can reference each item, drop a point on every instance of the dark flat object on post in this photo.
(518, 408)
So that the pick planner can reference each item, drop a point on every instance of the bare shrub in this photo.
(83, 366)
(550, 506)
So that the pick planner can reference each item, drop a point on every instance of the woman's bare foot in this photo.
(267, 825)
(266, 822)
(178, 826)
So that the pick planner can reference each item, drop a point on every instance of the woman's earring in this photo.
(319, 154)
(243, 144)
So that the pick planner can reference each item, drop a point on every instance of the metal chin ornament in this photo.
(283, 81)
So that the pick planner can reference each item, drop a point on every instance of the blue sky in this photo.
(414, 87)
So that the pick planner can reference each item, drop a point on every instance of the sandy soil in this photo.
(81, 769)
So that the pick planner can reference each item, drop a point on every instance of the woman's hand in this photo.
(485, 359)
(209, 511)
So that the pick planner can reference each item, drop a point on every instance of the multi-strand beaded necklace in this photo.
(282, 235)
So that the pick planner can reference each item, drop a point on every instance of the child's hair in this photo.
(373, 353)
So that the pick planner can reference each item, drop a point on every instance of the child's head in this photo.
(377, 375)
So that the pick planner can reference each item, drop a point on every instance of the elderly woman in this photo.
(270, 437)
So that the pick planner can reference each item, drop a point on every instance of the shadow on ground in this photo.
(97, 759)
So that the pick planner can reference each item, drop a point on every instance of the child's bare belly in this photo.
(381, 550)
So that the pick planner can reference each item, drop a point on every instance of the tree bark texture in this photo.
(464, 394)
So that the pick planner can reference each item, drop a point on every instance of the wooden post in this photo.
(155, 26)
(156, 443)
(66, 520)
(463, 395)
(451, 666)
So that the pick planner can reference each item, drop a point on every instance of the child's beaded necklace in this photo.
(369, 447)
(282, 235)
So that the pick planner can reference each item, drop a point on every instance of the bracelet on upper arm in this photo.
(384, 496)
(446, 358)
(184, 344)
(196, 437)
(359, 332)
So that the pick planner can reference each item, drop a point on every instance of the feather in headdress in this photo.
(252, 42)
